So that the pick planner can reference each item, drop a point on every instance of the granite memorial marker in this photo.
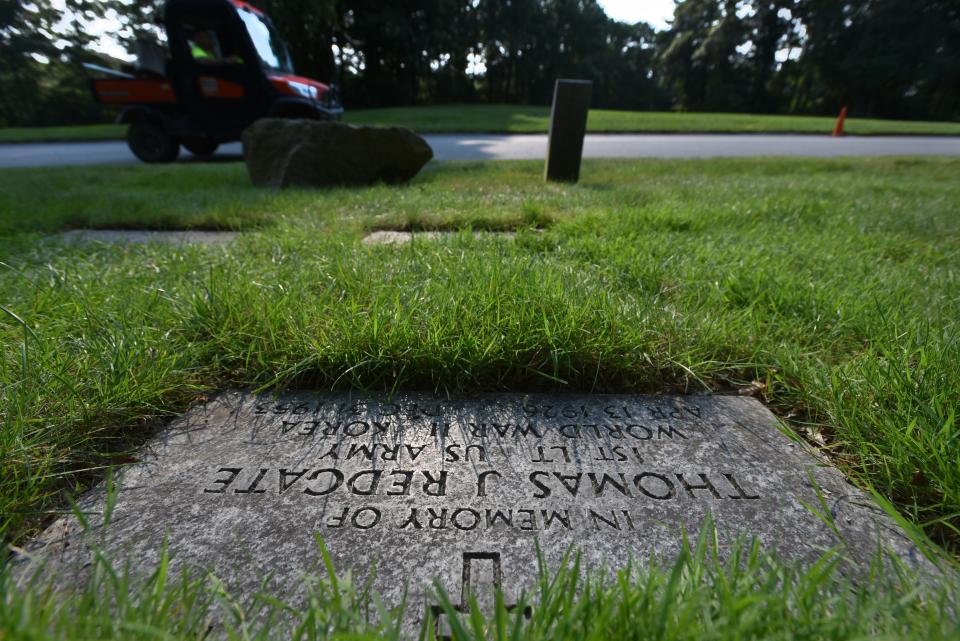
(568, 125)
(462, 490)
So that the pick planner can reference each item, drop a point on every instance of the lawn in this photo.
(829, 285)
(62, 134)
(526, 119)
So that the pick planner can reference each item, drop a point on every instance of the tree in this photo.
(41, 50)
(770, 29)
(885, 58)
(720, 61)
(683, 76)
(310, 27)
(512, 37)
(625, 77)
(888, 58)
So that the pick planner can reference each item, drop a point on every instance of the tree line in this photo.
(882, 58)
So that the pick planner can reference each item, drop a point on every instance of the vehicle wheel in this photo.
(150, 143)
(200, 146)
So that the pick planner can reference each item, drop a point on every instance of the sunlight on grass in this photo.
(831, 283)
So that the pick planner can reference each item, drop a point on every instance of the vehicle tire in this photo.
(200, 146)
(150, 143)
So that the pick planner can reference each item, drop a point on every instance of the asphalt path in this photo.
(518, 147)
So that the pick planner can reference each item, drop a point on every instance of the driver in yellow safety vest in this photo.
(203, 46)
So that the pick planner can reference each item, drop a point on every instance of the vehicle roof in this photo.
(186, 4)
(240, 4)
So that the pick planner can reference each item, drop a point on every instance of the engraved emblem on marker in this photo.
(481, 577)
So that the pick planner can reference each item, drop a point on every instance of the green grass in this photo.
(62, 134)
(833, 284)
(526, 119)
(745, 595)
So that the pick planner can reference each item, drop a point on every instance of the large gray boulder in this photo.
(287, 152)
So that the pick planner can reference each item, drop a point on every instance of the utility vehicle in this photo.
(224, 67)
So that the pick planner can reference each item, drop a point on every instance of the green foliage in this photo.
(41, 48)
(704, 595)
(886, 58)
(894, 56)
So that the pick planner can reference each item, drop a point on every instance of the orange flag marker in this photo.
(838, 128)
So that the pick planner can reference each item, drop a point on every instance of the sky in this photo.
(656, 12)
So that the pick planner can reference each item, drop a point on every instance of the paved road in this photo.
(510, 147)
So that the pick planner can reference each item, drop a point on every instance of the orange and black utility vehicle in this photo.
(223, 67)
